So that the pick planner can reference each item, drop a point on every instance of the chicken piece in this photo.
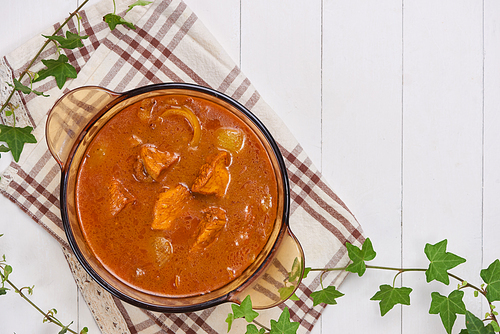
(210, 227)
(119, 196)
(156, 161)
(169, 206)
(213, 177)
(139, 172)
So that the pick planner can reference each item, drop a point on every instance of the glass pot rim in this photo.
(117, 98)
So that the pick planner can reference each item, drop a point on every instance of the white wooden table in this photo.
(397, 102)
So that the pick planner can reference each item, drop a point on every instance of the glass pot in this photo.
(74, 121)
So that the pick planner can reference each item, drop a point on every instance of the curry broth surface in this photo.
(164, 262)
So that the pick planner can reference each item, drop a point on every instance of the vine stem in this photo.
(370, 267)
(261, 325)
(71, 15)
(46, 315)
(402, 270)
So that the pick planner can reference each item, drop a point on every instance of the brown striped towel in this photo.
(170, 44)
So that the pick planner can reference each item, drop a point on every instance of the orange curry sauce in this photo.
(176, 196)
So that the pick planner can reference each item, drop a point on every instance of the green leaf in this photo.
(359, 256)
(25, 89)
(59, 69)
(464, 331)
(113, 20)
(252, 329)
(244, 310)
(3, 149)
(3, 291)
(71, 41)
(65, 328)
(284, 325)
(476, 326)
(390, 296)
(307, 270)
(84, 330)
(295, 272)
(448, 307)
(441, 262)
(495, 326)
(7, 270)
(138, 3)
(229, 320)
(16, 138)
(286, 291)
(327, 296)
(294, 297)
(491, 276)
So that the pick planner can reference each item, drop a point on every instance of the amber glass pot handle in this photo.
(280, 279)
(69, 117)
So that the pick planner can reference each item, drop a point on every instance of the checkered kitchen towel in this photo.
(170, 44)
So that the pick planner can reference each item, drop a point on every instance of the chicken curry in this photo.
(176, 196)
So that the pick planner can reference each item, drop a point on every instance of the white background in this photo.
(397, 102)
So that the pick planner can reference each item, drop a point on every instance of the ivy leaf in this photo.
(229, 320)
(113, 20)
(25, 89)
(448, 307)
(441, 262)
(71, 41)
(491, 276)
(307, 270)
(244, 310)
(138, 3)
(495, 326)
(476, 326)
(60, 69)
(4, 149)
(286, 291)
(295, 272)
(16, 138)
(284, 325)
(390, 296)
(326, 296)
(252, 329)
(7, 270)
(359, 256)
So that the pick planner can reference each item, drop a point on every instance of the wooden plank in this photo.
(223, 21)
(281, 53)
(362, 54)
(491, 228)
(37, 260)
(24, 19)
(35, 256)
(442, 146)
